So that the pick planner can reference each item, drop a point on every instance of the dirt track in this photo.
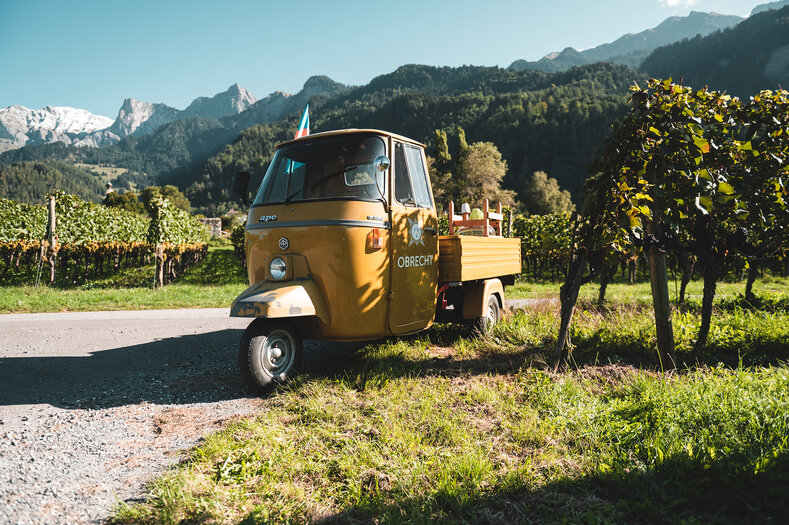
(95, 405)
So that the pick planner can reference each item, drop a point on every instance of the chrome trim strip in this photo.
(321, 222)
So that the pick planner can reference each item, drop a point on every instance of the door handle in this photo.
(431, 230)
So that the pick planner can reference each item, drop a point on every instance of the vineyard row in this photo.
(89, 240)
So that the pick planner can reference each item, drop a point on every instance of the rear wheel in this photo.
(492, 317)
(269, 354)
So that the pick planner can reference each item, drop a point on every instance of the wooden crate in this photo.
(469, 258)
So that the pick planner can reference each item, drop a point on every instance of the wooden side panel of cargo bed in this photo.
(468, 258)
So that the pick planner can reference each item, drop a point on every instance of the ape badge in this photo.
(415, 231)
(283, 243)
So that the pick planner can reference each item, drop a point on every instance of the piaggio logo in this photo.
(267, 218)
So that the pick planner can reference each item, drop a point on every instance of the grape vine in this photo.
(91, 240)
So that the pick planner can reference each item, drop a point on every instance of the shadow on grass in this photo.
(204, 366)
(373, 364)
(678, 490)
(132, 277)
(361, 364)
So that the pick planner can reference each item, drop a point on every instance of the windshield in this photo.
(332, 168)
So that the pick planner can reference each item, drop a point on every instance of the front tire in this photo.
(270, 354)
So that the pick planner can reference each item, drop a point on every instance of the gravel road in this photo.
(94, 405)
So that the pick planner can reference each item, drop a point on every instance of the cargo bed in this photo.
(471, 258)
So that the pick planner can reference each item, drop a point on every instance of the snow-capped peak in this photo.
(20, 125)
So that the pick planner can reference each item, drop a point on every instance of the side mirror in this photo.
(381, 163)
(240, 187)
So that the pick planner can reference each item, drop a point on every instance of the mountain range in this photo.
(742, 60)
(20, 126)
(632, 49)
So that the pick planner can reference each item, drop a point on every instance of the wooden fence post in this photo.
(53, 240)
(159, 266)
(658, 278)
(509, 226)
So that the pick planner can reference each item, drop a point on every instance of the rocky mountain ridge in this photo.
(20, 126)
(231, 102)
(771, 6)
(631, 49)
(743, 60)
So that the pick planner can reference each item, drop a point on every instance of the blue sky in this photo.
(93, 54)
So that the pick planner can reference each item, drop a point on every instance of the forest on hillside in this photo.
(539, 122)
(31, 181)
(741, 60)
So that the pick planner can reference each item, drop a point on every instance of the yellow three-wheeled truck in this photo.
(342, 244)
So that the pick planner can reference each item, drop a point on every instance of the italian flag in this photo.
(304, 125)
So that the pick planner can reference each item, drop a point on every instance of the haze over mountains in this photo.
(631, 49)
(743, 60)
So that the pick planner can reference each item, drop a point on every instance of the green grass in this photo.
(641, 291)
(108, 173)
(213, 283)
(444, 428)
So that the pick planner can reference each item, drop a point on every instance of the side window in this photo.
(278, 184)
(418, 177)
(402, 184)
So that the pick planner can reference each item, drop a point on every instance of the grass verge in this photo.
(442, 428)
(641, 292)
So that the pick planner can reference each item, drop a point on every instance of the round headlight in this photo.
(278, 269)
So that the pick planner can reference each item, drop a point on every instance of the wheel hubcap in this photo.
(278, 353)
(491, 318)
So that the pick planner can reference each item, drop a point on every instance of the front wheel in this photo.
(269, 354)
(485, 324)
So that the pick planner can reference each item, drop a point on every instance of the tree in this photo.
(440, 168)
(541, 195)
(124, 201)
(169, 192)
(479, 172)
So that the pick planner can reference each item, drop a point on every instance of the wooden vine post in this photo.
(658, 277)
(159, 265)
(53, 240)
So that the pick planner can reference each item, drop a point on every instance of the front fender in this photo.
(295, 298)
